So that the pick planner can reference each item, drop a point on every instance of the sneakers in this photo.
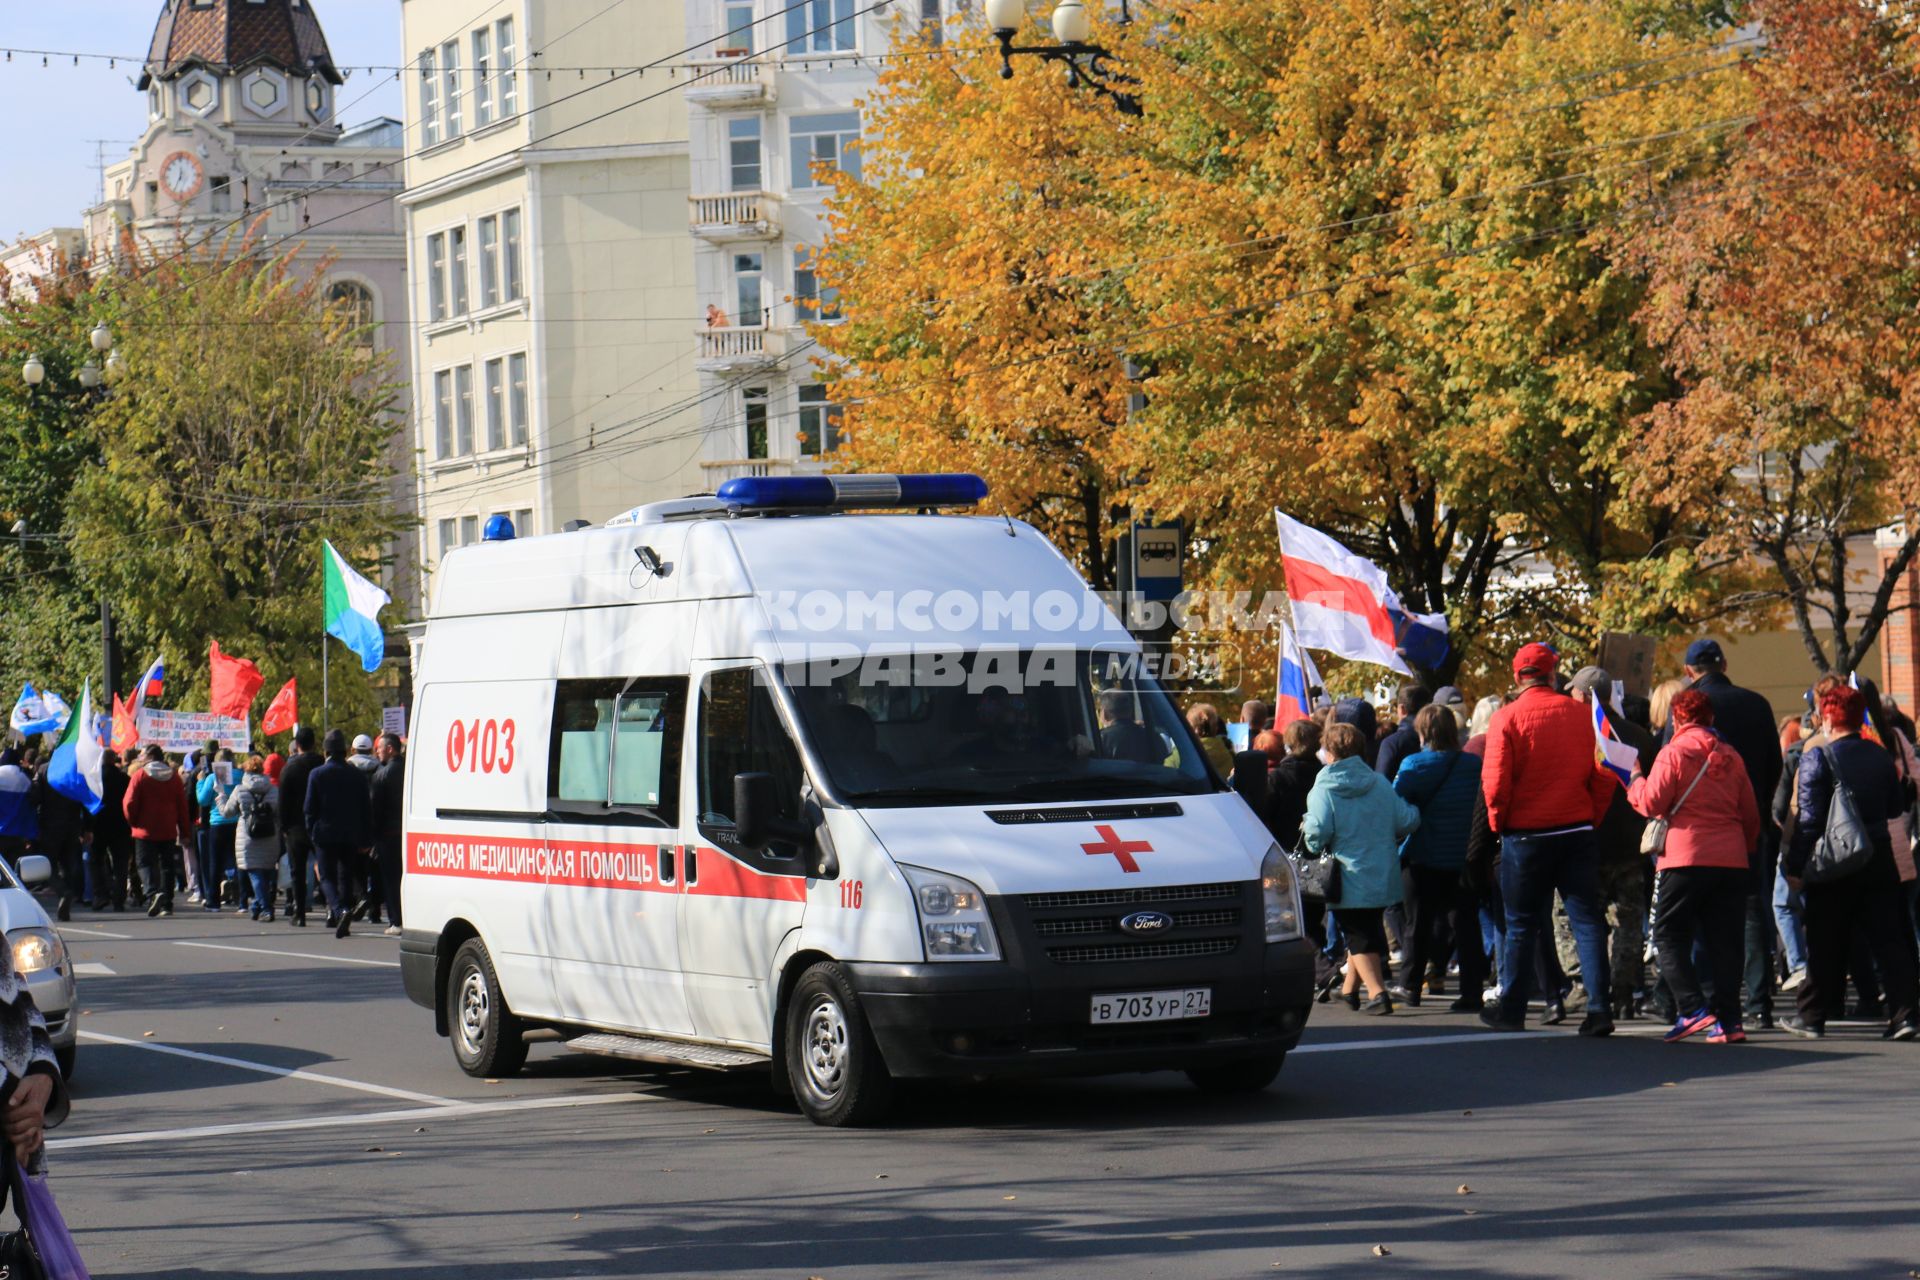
(1792, 980)
(153, 908)
(1554, 1014)
(1795, 1025)
(1907, 1030)
(340, 930)
(1692, 1024)
(1597, 1023)
(1727, 1033)
(1490, 1016)
(393, 931)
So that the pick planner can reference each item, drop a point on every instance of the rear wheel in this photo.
(487, 1039)
(1249, 1075)
(838, 1075)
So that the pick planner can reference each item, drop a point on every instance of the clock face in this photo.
(181, 175)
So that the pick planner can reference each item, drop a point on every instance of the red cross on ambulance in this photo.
(1122, 850)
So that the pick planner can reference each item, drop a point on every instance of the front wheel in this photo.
(838, 1076)
(488, 1041)
(1249, 1075)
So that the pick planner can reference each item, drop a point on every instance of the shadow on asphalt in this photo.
(163, 992)
(124, 1071)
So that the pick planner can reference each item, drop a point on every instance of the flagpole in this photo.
(326, 687)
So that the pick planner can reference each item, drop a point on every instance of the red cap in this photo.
(1535, 659)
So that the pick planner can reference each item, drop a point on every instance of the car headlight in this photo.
(1281, 896)
(953, 916)
(36, 949)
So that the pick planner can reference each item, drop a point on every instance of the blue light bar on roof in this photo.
(846, 493)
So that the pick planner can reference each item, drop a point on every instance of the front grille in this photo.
(1085, 813)
(1111, 924)
(1115, 953)
(1129, 897)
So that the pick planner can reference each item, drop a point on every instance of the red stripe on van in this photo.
(586, 864)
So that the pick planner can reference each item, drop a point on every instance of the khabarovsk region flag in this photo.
(353, 609)
(74, 770)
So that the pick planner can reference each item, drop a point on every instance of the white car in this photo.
(39, 956)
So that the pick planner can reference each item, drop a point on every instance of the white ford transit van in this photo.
(751, 781)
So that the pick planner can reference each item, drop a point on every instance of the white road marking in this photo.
(289, 1073)
(454, 1110)
(297, 955)
(92, 969)
(97, 933)
(1409, 1042)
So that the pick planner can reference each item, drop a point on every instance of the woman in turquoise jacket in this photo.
(1353, 814)
(219, 866)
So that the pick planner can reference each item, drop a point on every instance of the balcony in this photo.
(719, 472)
(736, 215)
(730, 82)
(739, 348)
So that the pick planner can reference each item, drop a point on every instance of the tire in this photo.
(67, 1058)
(488, 1041)
(838, 1076)
(1248, 1075)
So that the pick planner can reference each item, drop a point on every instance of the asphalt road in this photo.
(263, 1101)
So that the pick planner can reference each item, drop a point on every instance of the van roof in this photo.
(862, 579)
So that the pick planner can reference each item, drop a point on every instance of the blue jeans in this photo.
(1531, 869)
(1787, 907)
(264, 884)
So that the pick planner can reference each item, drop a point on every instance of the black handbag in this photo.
(18, 1258)
(1844, 848)
(1319, 878)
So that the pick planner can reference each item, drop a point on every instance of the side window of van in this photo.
(616, 747)
(741, 732)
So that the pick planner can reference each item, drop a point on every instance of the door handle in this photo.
(666, 864)
(693, 866)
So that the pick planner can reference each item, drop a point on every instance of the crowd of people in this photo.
(262, 836)
(1763, 860)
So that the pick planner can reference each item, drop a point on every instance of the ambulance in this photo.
(832, 778)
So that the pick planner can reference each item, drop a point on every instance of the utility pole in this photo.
(100, 146)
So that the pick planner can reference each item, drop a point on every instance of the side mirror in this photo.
(35, 871)
(753, 806)
(1250, 778)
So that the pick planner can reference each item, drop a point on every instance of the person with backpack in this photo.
(253, 807)
(1699, 789)
(1841, 860)
(1440, 781)
(215, 784)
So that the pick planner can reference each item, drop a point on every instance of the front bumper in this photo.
(53, 996)
(995, 1019)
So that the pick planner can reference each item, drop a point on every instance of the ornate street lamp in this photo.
(101, 338)
(33, 373)
(1087, 64)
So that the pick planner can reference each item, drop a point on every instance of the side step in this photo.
(673, 1053)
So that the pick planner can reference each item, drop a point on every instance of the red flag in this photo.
(282, 712)
(126, 734)
(235, 682)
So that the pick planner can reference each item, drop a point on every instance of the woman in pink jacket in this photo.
(1700, 787)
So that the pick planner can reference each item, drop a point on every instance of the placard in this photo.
(394, 720)
(189, 730)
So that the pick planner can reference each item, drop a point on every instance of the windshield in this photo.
(994, 726)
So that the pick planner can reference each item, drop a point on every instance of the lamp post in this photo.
(1087, 64)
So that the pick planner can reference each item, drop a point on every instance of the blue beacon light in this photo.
(850, 492)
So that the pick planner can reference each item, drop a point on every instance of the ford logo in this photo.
(1142, 922)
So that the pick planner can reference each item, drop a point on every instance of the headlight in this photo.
(953, 916)
(36, 949)
(1282, 898)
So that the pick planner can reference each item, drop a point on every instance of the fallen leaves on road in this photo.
(1009, 1197)
(1381, 1251)
(421, 1129)
(373, 1148)
(880, 1177)
(1464, 1190)
(147, 1035)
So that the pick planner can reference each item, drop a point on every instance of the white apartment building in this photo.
(550, 275)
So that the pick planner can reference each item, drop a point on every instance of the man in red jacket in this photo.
(156, 810)
(1545, 793)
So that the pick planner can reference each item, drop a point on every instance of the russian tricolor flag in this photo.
(1617, 757)
(1342, 603)
(1298, 680)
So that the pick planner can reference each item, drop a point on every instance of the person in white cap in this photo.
(366, 875)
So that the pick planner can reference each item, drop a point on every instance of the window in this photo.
(489, 262)
(510, 243)
(616, 745)
(450, 85)
(743, 153)
(819, 421)
(469, 530)
(740, 732)
(354, 301)
(463, 409)
(820, 26)
(523, 522)
(429, 101)
(449, 537)
(748, 276)
(483, 77)
(753, 404)
(517, 399)
(506, 79)
(930, 21)
(736, 28)
(810, 300)
(437, 276)
(457, 270)
(443, 413)
(829, 140)
(497, 404)
(222, 188)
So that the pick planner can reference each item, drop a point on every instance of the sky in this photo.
(55, 112)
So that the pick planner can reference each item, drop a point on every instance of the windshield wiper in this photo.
(1098, 785)
(919, 793)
